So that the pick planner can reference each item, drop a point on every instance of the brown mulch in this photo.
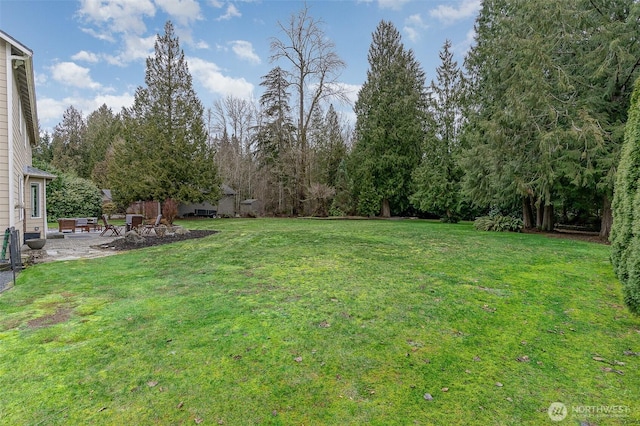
(591, 237)
(152, 240)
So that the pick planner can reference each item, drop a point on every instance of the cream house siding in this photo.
(18, 133)
(4, 139)
(21, 158)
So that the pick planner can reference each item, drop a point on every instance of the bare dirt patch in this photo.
(591, 237)
(120, 244)
(60, 316)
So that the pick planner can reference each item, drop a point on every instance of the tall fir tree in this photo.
(275, 137)
(625, 232)
(165, 153)
(390, 125)
(68, 144)
(437, 179)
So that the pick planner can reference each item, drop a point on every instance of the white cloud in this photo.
(413, 26)
(71, 74)
(232, 12)
(201, 45)
(85, 56)
(392, 4)
(244, 50)
(183, 11)
(210, 76)
(134, 48)
(449, 15)
(118, 15)
(50, 110)
(463, 47)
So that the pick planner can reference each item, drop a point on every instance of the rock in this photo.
(133, 237)
(179, 230)
(428, 397)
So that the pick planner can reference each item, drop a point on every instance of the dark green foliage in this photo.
(551, 85)
(164, 153)
(437, 179)
(68, 147)
(625, 232)
(391, 111)
(499, 223)
(72, 196)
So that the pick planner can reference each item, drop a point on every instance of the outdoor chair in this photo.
(148, 227)
(136, 224)
(109, 227)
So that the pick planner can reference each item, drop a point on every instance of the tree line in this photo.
(531, 124)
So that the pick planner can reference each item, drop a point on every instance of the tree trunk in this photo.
(547, 220)
(607, 218)
(527, 213)
(539, 215)
(386, 208)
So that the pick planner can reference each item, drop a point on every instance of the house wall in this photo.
(4, 141)
(21, 158)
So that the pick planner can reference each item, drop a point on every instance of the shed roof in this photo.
(35, 172)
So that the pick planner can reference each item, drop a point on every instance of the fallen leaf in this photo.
(298, 359)
(498, 384)
(524, 342)
(102, 409)
(509, 399)
(427, 361)
(616, 362)
(611, 370)
(467, 371)
(324, 324)
(199, 420)
(180, 405)
(152, 383)
(477, 359)
(523, 358)
(428, 397)
(599, 358)
(274, 413)
(445, 389)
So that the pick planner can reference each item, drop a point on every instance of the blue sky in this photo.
(91, 52)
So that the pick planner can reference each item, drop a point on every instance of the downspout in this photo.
(12, 201)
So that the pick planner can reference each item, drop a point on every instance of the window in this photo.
(35, 200)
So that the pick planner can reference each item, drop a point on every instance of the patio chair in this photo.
(109, 227)
(136, 223)
(148, 227)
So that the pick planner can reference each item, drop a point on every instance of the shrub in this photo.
(169, 210)
(499, 223)
(72, 196)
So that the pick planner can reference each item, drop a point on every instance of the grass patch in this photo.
(321, 322)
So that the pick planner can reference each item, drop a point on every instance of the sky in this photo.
(92, 52)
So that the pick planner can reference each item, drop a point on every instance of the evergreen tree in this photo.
(43, 151)
(165, 152)
(68, 143)
(103, 127)
(275, 137)
(625, 232)
(437, 179)
(391, 112)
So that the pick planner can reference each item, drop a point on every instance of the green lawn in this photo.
(322, 322)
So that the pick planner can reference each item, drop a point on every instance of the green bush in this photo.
(72, 196)
(499, 223)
